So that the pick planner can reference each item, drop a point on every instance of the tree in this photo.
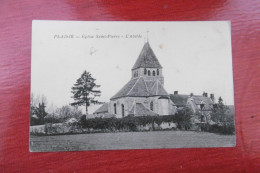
(40, 112)
(221, 108)
(183, 118)
(85, 91)
(37, 109)
(221, 104)
(32, 105)
(224, 117)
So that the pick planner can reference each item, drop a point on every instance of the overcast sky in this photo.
(196, 56)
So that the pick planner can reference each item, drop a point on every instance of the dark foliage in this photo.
(39, 112)
(221, 129)
(35, 121)
(183, 117)
(224, 119)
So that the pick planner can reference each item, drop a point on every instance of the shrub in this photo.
(54, 119)
(35, 121)
(227, 129)
(224, 119)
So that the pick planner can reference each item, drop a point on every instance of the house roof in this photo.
(147, 58)
(198, 100)
(139, 109)
(202, 99)
(179, 99)
(138, 87)
(102, 109)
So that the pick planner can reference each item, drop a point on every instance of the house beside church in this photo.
(200, 105)
(144, 94)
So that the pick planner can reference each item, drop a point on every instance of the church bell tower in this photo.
(147, 66)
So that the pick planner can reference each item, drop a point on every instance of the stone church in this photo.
(144, 94)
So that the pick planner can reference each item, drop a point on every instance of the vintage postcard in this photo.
(131, 85)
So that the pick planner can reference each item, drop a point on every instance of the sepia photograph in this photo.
(131, 85)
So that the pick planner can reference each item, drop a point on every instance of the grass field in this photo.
(130, 140)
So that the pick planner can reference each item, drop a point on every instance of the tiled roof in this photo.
(206, 101)
(102, 109)
(202, 99)
(147, 59)
(139, 109)
(179, 99)
(149, 84)
(138, 87)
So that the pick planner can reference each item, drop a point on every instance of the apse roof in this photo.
(138, 87)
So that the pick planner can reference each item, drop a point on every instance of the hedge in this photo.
(129, 123)
(227, 129)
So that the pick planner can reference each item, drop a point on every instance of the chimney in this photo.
(212, 97)
(175, 92)
(205, 94)
(191, 94)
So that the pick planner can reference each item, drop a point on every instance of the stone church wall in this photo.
(160, 106)
(163, 105)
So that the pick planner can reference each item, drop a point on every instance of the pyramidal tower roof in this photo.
(147, 58)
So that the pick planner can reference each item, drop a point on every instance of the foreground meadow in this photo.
(130, 140)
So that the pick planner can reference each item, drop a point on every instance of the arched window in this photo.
(157, 71)
(151, 106)
(115, 108)
(149, 73)
(153, 73)
(145, 71)
(123, 110)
